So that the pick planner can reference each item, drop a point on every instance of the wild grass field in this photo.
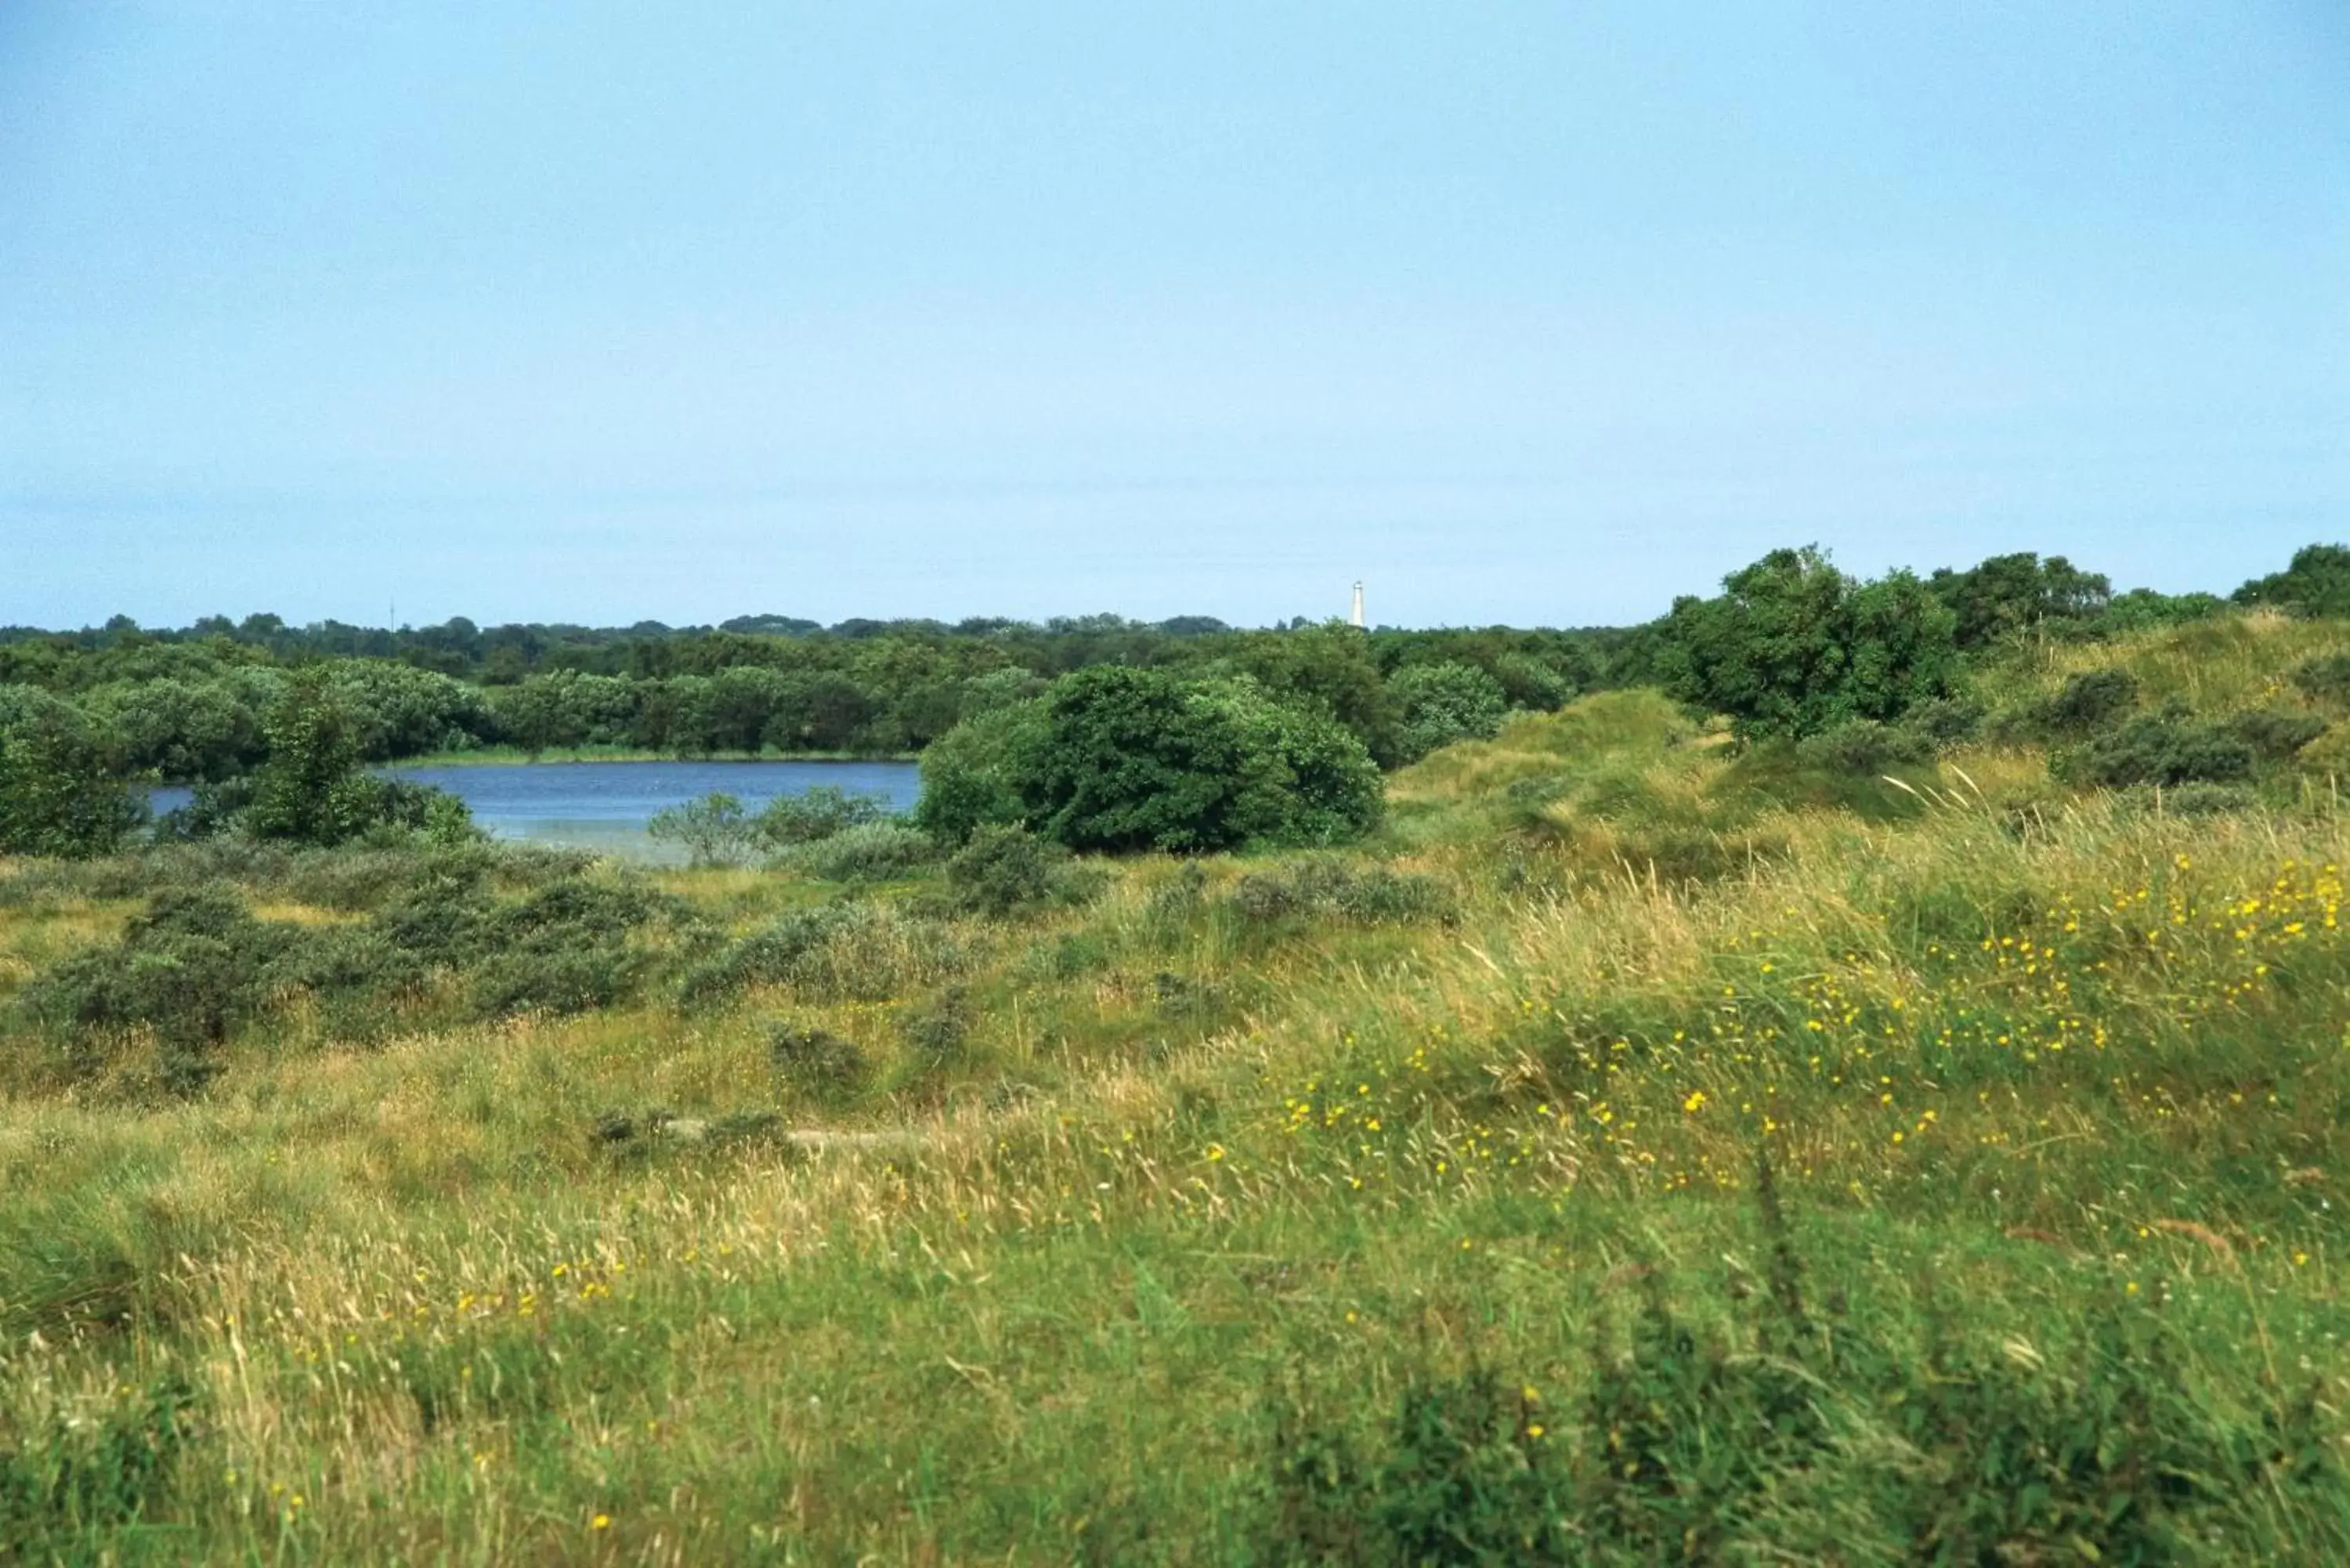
(1642, 1149)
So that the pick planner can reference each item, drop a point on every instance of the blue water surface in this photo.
(605, 805)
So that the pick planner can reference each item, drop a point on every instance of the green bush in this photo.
(566, 948)
(1444, 702)
(1004, 871)
(1121, 760)
(853, 949)
(1794, 647)
(58, 791)
(816, 1062)
(2089, 701)
(873, 852)
(2171, 747)
(816, 814)
(191, 968)
(1866, 746)
(2275, 734)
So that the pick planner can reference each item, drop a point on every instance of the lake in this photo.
(605, 805)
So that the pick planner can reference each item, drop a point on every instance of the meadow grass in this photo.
(1620, 1159)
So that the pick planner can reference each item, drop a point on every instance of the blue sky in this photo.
(1526, 313)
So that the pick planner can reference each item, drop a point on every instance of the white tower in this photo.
(1355, 618)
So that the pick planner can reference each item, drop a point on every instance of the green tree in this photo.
(59, 791)
(1120, 760)
(1794, 647)
(310, 790)
(2316, 583)
(2006, 595)
(1444, 702)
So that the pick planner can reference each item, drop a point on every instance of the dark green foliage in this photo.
(1137, 760)
(2088, 701)
(196, 965)
(2145, 609)
(2274, 734)
(1004, 871)
(1866, 746)
(190, 968)
(311, 790)
(1441, 703)
(1329, 670)
(1945, 720)
(2170, 747)
(70, 1488)
(1123, 760)
(816, 1062)
(940, 1028)
(979, 772)
(1795, 646)
(815, 814)
(1322, 887)
(2008, 595)
(563, 949)
(59, 791)
(2316, 583)
(2325, 678)
(876, 852)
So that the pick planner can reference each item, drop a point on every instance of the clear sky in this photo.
(1526, 313)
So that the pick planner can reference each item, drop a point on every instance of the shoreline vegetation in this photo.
(507, 755)
(1874, 1091)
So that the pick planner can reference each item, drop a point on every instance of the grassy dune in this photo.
(1639, 1153)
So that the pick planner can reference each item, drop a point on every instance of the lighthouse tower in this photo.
(1356, 616)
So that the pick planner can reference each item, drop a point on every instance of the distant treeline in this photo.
(191, 703)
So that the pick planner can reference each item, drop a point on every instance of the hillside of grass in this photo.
(1642, 1149)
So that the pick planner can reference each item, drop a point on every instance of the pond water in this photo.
(605, 805)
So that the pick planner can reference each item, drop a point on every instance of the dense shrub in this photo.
(2006, 595)
(979, 772)
(1945, 720)
(1443, 702)
(2166, 748)
(816, 1062)
(2088, 701)
(1866, 746)
(874, 852)
(59, 791)
(815, 814)
(1795, 646)
(566, 948)
(310, 790)
(2274, 734)
(1004, 870)
(190, 968)
(1124, 760)
(2316, 583)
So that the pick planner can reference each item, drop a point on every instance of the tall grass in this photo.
(1396, 1206)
